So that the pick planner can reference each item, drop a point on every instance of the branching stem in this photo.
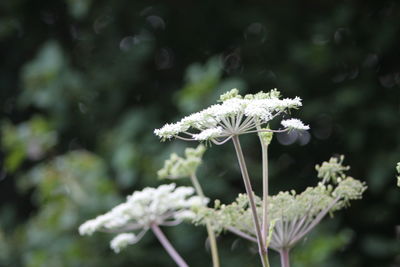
(241, 234)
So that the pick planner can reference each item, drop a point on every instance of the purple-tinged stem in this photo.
(250, 194)
(168, 246)
(284, 257)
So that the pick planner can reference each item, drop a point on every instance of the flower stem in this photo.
(196, 184)
(284, 257)
(265, 223)
(249, 191)
(241, 234)
(168, 246)
(210, 232)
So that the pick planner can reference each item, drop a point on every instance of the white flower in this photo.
(170, 130)
(235, 115)
(122, 240)
(295, 124)
(160, 206)
(208, 134)
(185, 215)
(291, 103)
(142, 209)
(230, 107)
(89, 227)
(258, 109)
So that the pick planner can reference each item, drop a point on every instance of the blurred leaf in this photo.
(48, 81)
(69, 189)
(78, 8)
(30, 139)
(318, 249)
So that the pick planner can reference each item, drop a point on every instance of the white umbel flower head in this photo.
(234, 115)
(165, 205)
(294, 124)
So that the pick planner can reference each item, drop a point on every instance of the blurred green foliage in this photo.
(84, 83)
(30, 139)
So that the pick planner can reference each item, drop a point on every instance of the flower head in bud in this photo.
(176, 167)
(234, 115)
(273, 94)
(292, 216)
(266, 137)
(349, 189)
(332, 170)
(233, 93)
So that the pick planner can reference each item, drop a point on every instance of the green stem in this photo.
(210, 232)
(265, 223)
(196, 184)
(250, 194)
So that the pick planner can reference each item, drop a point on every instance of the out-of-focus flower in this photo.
(177, 167)
(122, 240)
(166, 205)
(291, 215)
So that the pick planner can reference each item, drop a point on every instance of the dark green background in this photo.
(101, 75)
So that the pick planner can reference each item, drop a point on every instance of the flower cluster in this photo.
(177, 167)
(123, 240)
(291, 215)
(234, 115)
(166, 205)
(332, 169)
(294, 124)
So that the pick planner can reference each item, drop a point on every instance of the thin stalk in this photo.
(210, 232)
(284, 257)
(197, 186)
(314, 222)
(249, 191)
(241, 234)
(168, 246)
(265, 223)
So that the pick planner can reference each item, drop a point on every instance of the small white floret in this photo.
(185, 215)
(170, 130)
(295, 124)
(208, 134)
(122, 240)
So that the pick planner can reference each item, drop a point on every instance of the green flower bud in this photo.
(177, 167)
(266, 137)
(332, 170)
(234, 93)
